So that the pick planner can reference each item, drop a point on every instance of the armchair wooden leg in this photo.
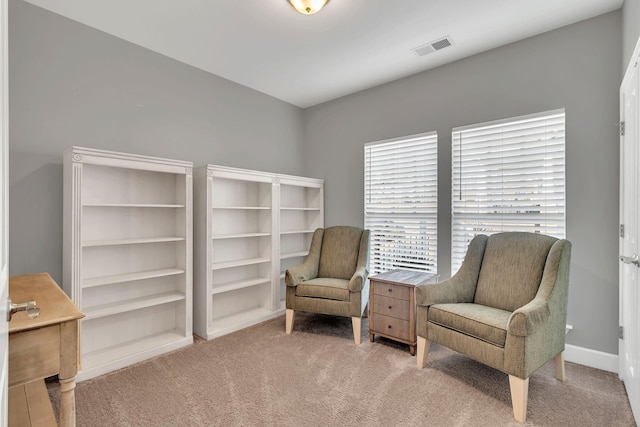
(559, 362)
(423, 352)
(519, 396)
(356, 322)
(289, 321)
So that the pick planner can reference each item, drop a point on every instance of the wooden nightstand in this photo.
(392, 305)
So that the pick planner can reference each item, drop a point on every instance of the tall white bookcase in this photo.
(301, 211)
(240, 225)
(128, 255)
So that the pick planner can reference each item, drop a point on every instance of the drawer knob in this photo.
(390, 290)
(30, 307)
(389, 326)
(390, 307)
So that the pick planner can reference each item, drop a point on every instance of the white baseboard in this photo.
(592, 358)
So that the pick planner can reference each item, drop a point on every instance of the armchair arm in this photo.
(438, 293)
(529, 318)
(298, 274)
(462, 286)
(551, 296)
(309, 268)
(356, 283)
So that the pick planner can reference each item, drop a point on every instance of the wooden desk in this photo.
(42, 347)
(392, 305)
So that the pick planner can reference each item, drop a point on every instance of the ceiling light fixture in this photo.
(308, 7)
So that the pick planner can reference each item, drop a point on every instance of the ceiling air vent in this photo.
(432, 46)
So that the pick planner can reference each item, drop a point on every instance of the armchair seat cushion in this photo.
(479, 321)
(327, 288)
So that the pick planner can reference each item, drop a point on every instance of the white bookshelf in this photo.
(127, 255)
(301, 212)
(237, 243)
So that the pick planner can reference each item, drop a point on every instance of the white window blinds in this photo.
(401, 203)
(508, 176)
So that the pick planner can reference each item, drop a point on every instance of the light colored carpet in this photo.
(317, 377)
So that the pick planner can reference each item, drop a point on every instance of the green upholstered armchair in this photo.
(506, 307)
(333, 278)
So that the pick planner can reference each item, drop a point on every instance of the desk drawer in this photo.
(392, 326)
(34, 354)
(391, 307)
(393, 291)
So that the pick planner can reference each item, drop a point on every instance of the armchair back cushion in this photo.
(512, 269)
(339, 253)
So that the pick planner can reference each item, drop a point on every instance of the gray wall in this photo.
(576, 67)
(630, 29)
(73, 85)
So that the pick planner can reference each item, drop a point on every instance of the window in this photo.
(508, 175)
(401, 203)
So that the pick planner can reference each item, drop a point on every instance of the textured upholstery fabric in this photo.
(309, 268)
(421, 320)
(479, 321)
(337, 289)
(339, 253)
(462, 286)
(333, 277)
(352, 308)
(479, 350)
(512, 269)
(507, 304)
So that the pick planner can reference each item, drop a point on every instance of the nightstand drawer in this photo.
(393, 291)
(397, 328)
(391, 307)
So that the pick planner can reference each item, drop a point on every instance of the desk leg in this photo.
(68, 370)
(68, 402)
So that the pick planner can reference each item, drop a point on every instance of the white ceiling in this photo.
(348, 46)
